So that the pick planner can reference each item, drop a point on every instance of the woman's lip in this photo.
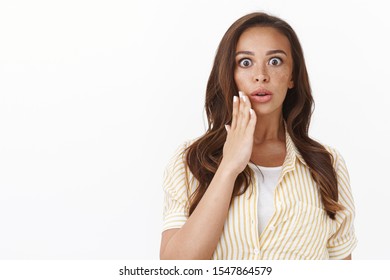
(254, 97)
(260, 99)
(261, 91)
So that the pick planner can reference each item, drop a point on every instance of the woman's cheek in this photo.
(280, 74)
(240, 78)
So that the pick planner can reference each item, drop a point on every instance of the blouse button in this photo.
(256, 251)
(271, 227)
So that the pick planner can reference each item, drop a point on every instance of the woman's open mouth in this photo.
(261, 96)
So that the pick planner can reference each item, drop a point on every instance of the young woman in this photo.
(255, 185)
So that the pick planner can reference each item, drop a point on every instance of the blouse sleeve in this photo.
(175, 212)
(343, 241)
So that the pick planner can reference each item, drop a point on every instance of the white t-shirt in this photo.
(266, 183)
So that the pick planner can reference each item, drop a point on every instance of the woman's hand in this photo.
(237, 150)
(198, 238)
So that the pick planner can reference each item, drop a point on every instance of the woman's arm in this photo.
(199, 236)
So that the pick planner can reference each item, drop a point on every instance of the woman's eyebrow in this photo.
(275, 52)
(245, 52)
(267, 53)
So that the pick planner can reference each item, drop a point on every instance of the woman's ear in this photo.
(291, 83)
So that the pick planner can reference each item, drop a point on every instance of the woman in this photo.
(255, 185)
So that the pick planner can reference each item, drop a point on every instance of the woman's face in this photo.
(263, 69)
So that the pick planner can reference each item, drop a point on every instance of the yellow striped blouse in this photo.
(299, 227)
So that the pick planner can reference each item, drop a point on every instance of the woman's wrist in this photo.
(227, 169)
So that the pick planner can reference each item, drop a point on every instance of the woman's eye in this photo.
(245, 62)
(275, 61)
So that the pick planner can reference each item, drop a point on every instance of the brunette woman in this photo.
(255, 185)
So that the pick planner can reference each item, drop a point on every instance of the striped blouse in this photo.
(299, 227)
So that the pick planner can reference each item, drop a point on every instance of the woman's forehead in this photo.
(259, 37)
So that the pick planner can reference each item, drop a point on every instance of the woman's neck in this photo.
(269, 128)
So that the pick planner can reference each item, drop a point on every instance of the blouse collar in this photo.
(292, 153)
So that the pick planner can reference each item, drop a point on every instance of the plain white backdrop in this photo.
(95, 96)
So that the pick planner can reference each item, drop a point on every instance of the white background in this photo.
(95, 96)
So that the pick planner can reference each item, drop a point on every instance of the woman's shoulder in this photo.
(178, 157)
(177, 174)
(184, 145)
(331, 149)
(337, 157)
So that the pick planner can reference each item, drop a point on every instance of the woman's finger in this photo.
(244, 110)
(252, 121)
(235, 112)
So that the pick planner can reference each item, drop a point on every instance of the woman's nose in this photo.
(261, 76)
(263, 79)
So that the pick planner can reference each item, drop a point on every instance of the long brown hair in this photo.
(205, 154)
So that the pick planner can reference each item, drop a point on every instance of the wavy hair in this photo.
(205, 154)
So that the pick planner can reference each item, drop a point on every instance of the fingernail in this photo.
(240, 94)
(251, 111)
(243, 98)
(235, 98)
(226, 127)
